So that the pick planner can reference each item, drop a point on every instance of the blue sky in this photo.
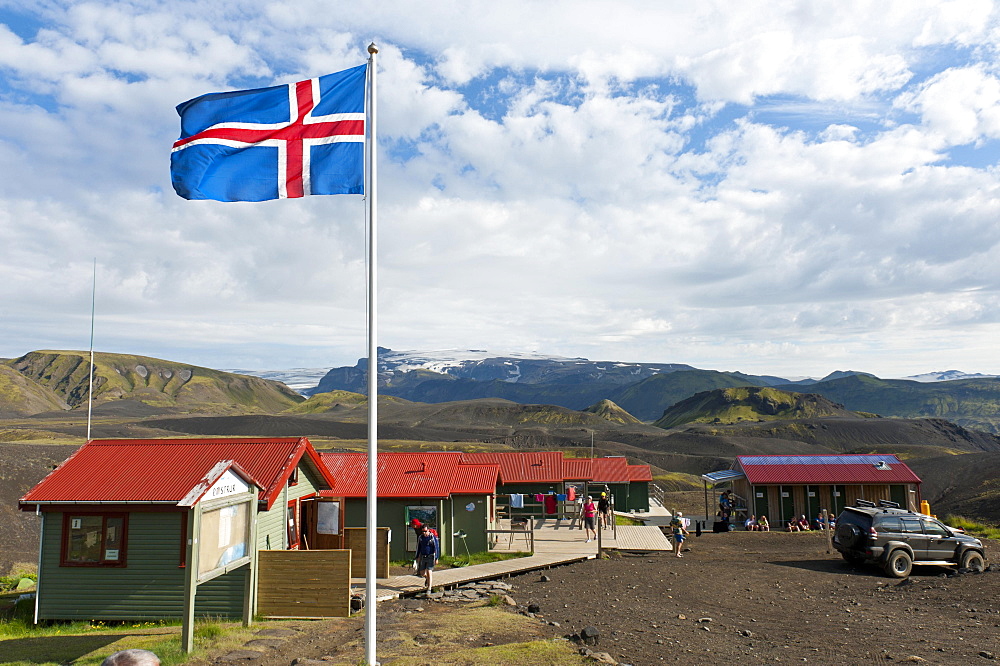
(775, 188)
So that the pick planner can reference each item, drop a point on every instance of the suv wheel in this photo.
(972, 559)
(899, 564)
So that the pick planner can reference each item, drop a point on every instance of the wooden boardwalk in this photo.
(556, 542)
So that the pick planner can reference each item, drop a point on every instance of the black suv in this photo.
(896, 539)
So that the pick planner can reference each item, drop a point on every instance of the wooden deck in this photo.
(556, 542)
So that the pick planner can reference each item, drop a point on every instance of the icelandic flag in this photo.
(273, 143)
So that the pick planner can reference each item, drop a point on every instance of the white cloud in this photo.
(755, 186)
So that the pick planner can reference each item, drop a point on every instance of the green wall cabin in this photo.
(115, 547)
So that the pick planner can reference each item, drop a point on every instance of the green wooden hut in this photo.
(433, 487)
(126, 525)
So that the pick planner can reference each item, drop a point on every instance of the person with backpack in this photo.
(604, 509)
(679, 532)
(428, 552)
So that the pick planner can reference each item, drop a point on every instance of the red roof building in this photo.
(578, 469)
(534, 467)
(785, 486)
(404, 474)
(610, 470)
(825, 470)
(163, 471)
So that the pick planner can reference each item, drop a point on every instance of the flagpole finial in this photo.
(372, 48)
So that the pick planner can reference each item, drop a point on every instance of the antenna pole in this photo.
(90, 390)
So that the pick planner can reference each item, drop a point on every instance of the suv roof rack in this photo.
(886, 504)
(865, 503)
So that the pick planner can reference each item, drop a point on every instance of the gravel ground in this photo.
(737, 598)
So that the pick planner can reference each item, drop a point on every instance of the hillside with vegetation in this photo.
(21, 396)
(973, 403)
(607, 409)
(162, 385)
(649, 398)
(748, 403)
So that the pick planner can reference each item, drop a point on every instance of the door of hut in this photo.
(812, 502)
(897, 494)
(760, 505)
(787, 503)
(323, 522)
(839, 499)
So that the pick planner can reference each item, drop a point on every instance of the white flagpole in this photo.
(370, 192)
(93, 309)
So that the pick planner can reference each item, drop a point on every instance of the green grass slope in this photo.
(749, 403)
(21, 396)
(609, 411)
(325, 402)
(973, 403)
(162, 384)
(649, 398)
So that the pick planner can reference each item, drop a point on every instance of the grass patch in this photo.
(972, 527)
(536, 653)
(87, 643)
(480, 558)
(625, 520)
(677, 481)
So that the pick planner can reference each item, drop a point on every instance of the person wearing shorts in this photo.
(589, 518)
(679, 532)
(428, 552)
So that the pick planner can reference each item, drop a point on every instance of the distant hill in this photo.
(21, 396)
(606, 409)
(164, 385)
(963, 485)
(429, 377)
(749, 403)
(648, 398)
(947, 376)
(973, 403)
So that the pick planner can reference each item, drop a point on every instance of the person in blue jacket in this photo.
(428, 552)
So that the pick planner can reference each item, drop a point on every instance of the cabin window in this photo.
(293, 525)
(94, 539)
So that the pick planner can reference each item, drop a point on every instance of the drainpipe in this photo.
(41, 540)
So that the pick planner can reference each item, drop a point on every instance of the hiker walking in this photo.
(679, 532)
(604, 509)
(589, 516)
(428, 552)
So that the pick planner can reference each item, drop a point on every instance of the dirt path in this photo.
(738, 597)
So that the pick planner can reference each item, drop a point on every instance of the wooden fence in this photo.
(304, 583)
(356, 541)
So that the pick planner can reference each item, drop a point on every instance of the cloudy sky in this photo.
(775, 187)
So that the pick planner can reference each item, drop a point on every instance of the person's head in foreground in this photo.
(131, 658)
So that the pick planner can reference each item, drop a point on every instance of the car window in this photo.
(851, 517)
(890, 524)
(911, 525)
(935, 528)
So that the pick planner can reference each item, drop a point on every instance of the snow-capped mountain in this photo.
(947, 375)
(297, 379)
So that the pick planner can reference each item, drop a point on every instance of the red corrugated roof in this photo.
(826, 470)
(522, 467)
(403, 474)
(640, 473)
(475, 479)
(578, 469)
(165, 470)
(610, 470)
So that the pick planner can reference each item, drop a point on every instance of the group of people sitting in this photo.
(801, 524)
(755, 524)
